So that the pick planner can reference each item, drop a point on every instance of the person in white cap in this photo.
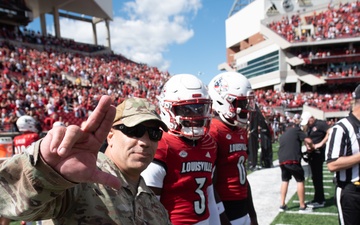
(317, 131)
(343, 158)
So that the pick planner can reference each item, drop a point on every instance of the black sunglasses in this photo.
(139, 130)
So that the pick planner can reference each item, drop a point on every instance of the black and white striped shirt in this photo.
(344, 140)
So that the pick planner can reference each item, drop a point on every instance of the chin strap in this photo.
(234, 124)
(227, 121)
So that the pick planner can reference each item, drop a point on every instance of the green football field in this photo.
(321, 216)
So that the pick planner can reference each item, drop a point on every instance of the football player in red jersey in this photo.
(181, 173)
(29, 133)
(232, 99)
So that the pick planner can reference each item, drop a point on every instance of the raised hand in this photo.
(72, 151)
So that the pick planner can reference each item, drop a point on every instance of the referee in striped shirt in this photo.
(343, 157)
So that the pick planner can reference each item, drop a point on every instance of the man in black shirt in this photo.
(290, 162)
(317, 130)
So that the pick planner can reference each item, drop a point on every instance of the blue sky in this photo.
(181, 36)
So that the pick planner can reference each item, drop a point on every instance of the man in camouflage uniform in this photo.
(64, 177)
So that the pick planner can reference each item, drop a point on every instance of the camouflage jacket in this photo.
(31, 190)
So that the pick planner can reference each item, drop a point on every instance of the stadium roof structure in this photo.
(92, 11)
(94, 8)
(238, 5)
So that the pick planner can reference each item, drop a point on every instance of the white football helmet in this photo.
(26, 124)
(58, 124)
(232, 98)
(185, 106)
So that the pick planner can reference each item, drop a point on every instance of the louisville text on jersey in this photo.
(237, 147)
(197, 166)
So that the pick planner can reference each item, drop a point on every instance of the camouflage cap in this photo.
(133, 111)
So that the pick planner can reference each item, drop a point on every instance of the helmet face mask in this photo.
(185, 106)
(233, 98)
(192, 110)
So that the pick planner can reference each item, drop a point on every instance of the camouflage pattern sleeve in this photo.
(29, 188)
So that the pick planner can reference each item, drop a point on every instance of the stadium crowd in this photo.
(33, 37)
(55, 79)
(335, 22)
(39, 83)
(327, 102)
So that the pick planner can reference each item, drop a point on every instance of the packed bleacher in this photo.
(340, 21)
(39, 83)
(29, 36)
(53, 83)
(325, 102)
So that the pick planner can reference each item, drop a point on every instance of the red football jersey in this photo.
(231, 183)
(188, 174)
(23, 141)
